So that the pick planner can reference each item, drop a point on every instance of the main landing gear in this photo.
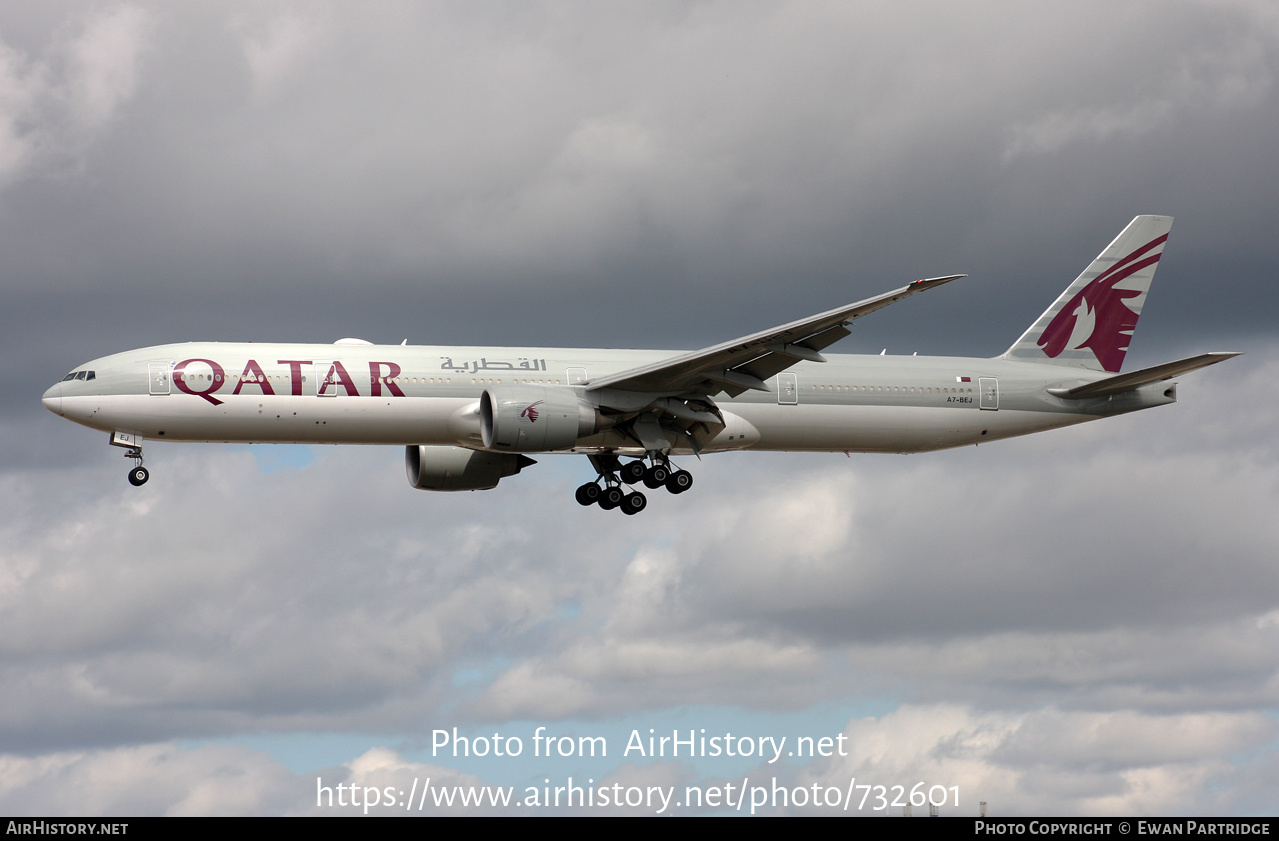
(659, 473)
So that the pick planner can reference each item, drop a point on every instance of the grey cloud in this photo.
(148, 779)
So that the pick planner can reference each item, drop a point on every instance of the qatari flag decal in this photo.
(963, 379)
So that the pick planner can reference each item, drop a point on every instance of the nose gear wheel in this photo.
(138, 474)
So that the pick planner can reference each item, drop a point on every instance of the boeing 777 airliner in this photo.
(471, 416)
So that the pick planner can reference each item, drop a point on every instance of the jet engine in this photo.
(459, 469)
(534, 418)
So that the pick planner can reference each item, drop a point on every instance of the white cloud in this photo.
(54, 107)
(104, 62)
(279, 50)
(1050, 762)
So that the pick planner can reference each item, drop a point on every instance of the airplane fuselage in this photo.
(395, 394)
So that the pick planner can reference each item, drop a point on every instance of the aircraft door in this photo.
(331, 379)
(158, 373)
(574, 376)
(324, 386)
(988, 388)
(787, 388)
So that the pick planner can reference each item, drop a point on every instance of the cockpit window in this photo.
(80, 375)
(83, 376)
(70, 376)
(92, 374)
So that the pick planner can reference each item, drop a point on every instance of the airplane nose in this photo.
(52, 399)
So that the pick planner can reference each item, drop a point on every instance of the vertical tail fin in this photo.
(1091, 324)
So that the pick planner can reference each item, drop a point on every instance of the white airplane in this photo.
(469, 417)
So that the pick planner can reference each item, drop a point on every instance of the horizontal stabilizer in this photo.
(1127, 382)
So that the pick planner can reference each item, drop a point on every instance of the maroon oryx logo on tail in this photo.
(1112, 320)
(531, 412)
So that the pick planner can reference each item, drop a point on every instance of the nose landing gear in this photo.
(132, 443)
(138, 474)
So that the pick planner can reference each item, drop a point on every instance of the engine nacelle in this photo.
(534, 418)
(459, 469)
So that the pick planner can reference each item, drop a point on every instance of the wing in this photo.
(734, 367)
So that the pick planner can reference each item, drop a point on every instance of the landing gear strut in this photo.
(132, 443)
(138, 474)
(614, 474)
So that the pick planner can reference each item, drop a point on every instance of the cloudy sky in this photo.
(1082, 622)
